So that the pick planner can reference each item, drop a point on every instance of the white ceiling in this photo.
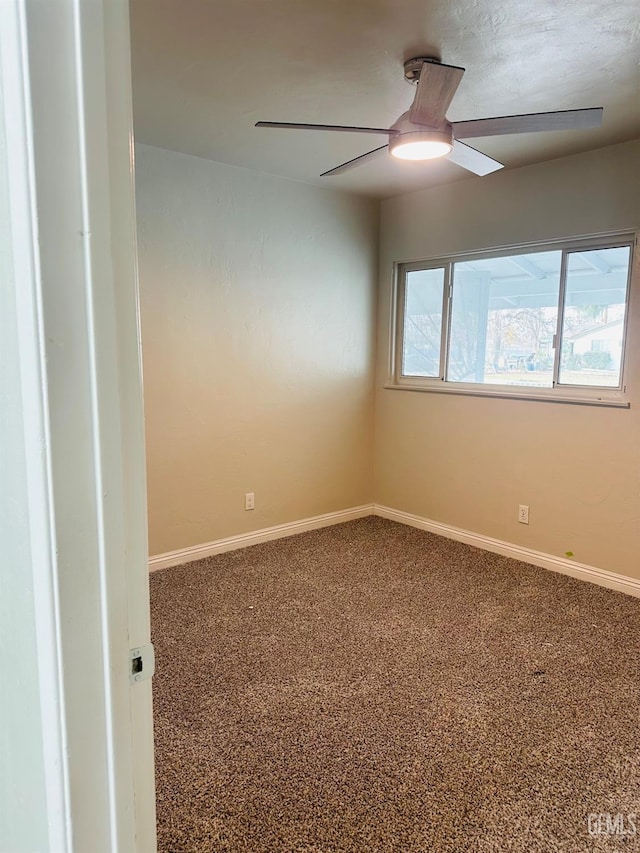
(204, 71)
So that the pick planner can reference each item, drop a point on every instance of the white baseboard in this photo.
(620, 583)
(231, 543)
(610, 580)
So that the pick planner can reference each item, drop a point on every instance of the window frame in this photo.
(559, 392)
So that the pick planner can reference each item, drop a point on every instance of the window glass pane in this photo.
(503, 318)
(594, 313)
(422, 322)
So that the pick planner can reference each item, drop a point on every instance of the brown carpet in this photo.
(371, 687)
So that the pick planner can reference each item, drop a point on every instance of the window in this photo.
(545, 322)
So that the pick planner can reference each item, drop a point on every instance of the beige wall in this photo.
(469, 461)
(257, 304)
(257, 312)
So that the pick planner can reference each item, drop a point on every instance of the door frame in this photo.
(66, 110)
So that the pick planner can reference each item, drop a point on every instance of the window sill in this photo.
(615, 399)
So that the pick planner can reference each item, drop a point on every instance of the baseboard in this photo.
(610, 580)
(231, 543)
(620, 583)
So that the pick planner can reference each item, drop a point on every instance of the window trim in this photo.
(559, 392)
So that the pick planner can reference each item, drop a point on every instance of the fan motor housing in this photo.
(404, 125)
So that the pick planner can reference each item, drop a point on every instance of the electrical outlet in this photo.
(249, 501)
(523, 514)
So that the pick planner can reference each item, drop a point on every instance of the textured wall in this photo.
(258, 306)
(469, 461)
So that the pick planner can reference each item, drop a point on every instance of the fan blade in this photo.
(531, 123)
(339, 127)
(355, 162)
(436, 87)
(472, 160)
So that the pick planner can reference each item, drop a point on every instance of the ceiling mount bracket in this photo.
(413, 67)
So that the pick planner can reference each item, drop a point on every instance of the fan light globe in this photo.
(421, 145)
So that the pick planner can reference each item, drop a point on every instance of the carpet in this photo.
(373, 687)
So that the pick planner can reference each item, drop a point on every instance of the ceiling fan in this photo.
(423, 132)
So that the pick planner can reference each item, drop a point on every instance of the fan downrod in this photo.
(413, 67)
